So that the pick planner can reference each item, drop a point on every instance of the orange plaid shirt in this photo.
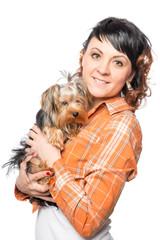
(94, 167)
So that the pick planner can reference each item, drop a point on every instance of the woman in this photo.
(92, 170)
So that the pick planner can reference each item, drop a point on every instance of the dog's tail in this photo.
(18, 156)
(19, 153)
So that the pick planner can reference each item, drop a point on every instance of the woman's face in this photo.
(105, 70)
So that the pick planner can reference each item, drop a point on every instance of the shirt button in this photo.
(54, 194)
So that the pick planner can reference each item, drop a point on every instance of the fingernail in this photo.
(34, 154)
(48, 173)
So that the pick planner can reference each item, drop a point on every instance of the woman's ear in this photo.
(131, 76)
(81, 61)
(81, 56)
(128, 82)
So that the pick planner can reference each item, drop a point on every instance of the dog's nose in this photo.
(75, 114)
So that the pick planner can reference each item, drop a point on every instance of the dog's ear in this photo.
(53, 95)
(49, 99)
(44, 98)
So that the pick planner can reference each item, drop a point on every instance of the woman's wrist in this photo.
(39, 144)
(52, 156)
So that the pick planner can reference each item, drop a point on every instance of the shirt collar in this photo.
(118, 104)
(114, 105)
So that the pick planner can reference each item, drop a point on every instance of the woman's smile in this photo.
(100, 81)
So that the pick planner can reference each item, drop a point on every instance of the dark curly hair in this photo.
(127, 38)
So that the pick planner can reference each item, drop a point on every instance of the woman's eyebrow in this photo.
(94, 48)
(116, 56)
(121, 56)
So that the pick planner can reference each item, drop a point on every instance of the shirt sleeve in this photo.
(24, 197)
(89, 201)
(20, 195)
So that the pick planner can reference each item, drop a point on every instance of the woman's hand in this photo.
(39, 144)
(27, 183)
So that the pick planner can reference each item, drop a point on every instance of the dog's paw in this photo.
(54, 136)
(44, 180)
(35, 165)
(59, 144)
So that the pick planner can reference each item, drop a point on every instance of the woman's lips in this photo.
(100, 81)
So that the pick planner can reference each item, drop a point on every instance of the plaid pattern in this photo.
(94, 167)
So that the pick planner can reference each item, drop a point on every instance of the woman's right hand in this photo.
(27, 183)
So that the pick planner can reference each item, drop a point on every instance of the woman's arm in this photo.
(46, 151)
(87, 196)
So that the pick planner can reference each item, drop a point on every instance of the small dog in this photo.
(63, 112)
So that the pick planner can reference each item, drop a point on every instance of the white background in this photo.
(37, 39)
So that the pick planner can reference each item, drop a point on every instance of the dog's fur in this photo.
(63, 111)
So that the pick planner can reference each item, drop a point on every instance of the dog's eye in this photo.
(78, 101)
(64, 103)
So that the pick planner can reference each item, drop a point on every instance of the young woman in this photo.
(92, 170)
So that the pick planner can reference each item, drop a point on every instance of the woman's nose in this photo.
(103, 68)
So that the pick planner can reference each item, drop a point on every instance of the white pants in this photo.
(51, 224)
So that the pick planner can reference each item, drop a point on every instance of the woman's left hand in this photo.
(40, 145)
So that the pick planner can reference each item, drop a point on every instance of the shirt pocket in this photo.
(89, 138)
(94, 144)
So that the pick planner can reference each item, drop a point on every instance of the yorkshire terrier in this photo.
(62, 114)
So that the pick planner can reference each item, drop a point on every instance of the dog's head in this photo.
(67, 104)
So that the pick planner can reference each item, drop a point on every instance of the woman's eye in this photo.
(119, 63)
(95, 55)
